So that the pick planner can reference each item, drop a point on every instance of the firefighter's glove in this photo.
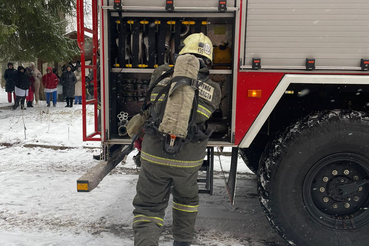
(138, 144)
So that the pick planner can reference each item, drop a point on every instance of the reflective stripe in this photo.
(200, 109)
(170, 162)
(204, 111)
(144, 218)
(185, 208)
(153, 97)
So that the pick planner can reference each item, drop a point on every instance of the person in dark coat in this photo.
(9, 78)
(22, 85)
(68, 80)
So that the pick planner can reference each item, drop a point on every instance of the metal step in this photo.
(206, 184)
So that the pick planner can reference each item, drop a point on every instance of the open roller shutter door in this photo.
(286, 32)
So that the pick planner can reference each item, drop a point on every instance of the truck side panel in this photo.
(284, 33)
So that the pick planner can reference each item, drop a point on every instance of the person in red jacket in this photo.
(50, 82)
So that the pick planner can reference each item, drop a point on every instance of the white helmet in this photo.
(199, 44)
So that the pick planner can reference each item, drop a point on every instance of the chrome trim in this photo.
(304, 68)
(235, 69)
(177, 9)
(282, 87)
(132, 70)
(220, 143)
(220, 71)
(104, 36)
(243, 33)
(175, 14)
(151, 70)
(210, 143)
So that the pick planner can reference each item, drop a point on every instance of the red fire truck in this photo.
(295, 97)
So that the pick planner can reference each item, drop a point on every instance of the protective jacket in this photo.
(50, 80)
(78, 85)
(68, 80)
(193, 152)
(31, 79)
(9, 78)
(21, 79)
(37, 75)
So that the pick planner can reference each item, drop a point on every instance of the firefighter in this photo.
(162, 172)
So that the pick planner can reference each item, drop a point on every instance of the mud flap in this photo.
(232, 179)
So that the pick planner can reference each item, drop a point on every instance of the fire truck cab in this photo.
(295, 96)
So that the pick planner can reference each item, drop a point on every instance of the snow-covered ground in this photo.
(41, 157)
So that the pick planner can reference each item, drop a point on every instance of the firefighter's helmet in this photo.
(198, 44)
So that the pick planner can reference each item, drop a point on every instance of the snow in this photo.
(42, 155)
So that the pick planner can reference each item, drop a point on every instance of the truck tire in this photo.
(313, 180)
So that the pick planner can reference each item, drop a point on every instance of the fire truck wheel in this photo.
(313, 180)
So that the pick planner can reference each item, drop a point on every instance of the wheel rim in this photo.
(325, 197)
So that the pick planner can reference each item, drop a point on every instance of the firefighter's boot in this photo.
(137, 159)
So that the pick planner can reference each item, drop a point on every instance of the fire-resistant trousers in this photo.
(154, 185)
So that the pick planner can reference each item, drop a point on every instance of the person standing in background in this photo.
(31, 89)
(9, 78)
(37, 76)
(50, 82)
(68, 80)
(21, 87)
(78, 86)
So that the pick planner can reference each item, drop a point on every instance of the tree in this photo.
(35, 29)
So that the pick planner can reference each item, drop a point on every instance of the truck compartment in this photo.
(138, 44)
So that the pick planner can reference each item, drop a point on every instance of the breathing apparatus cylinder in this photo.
(181, 95)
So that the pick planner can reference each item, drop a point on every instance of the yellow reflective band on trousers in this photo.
(185, 208)
(144, 218)
(153, 97)
(170, 162)
(204, 111)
